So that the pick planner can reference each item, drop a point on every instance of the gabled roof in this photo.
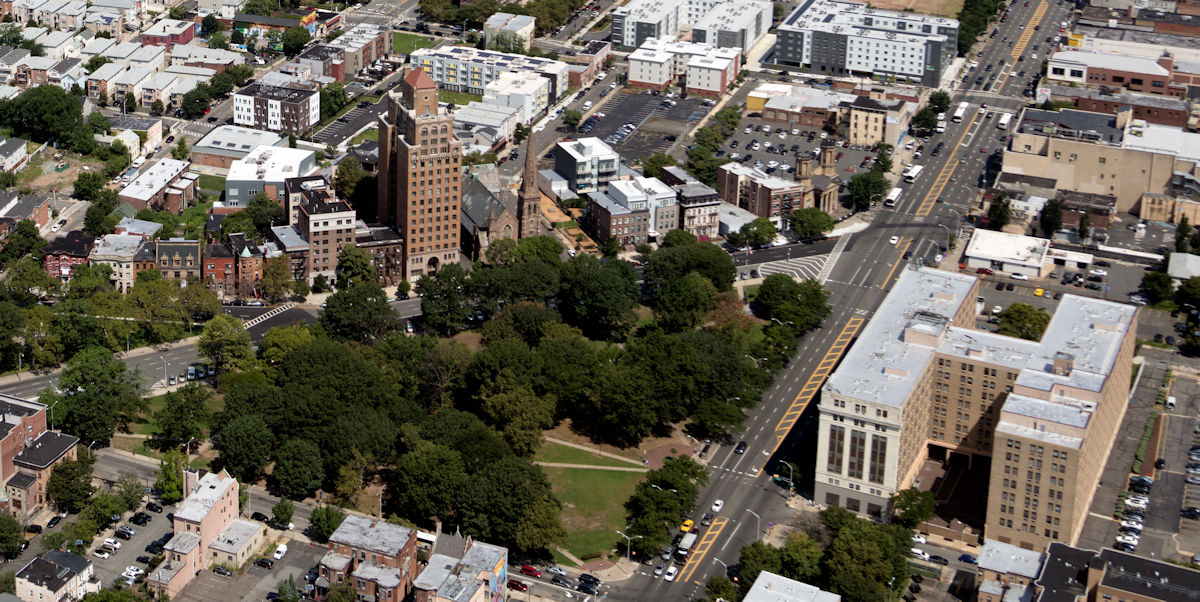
(418, 79)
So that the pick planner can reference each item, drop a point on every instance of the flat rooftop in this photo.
(235, 141)
(1163, 140)
(155, 179)
(1008, 559)
(587, 148)
(367, 533)
(1070, 123)
(1008, 248)
(209, 490)
(276, 93)
(769, 587)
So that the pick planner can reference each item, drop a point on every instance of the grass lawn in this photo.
(209, 182)
(593, 506)
(460, 99)
(29, 174)
(154, 404)
(645, 316)
(750, 291)
(563, 454)
(407, 42)
(371, 134)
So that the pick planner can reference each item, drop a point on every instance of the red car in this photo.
(517, 585)
(531, 571)
(983, 271)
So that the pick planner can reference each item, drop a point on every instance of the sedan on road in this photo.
(717, 505)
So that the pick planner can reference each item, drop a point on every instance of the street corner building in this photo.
(924, 397)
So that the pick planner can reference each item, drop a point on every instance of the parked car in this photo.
(531, 571)
(517, 585)
(671, 573)
(967, 558)
(265, 563)
(222, 571)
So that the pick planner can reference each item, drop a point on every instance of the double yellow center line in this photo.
(702, 547)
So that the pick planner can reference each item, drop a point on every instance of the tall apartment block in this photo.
(739, 23)
(420, 161)
(922, 385)
(841, 37)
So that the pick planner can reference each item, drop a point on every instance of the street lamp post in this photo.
(628, 542)
(757, 524)
(791, 475)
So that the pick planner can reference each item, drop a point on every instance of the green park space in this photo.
(593, 506)
(210, 182)
(408, 42)
(556, 453)
(460, 99)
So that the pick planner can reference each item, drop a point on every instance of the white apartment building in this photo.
(528, 92)
(738, 25)
(705, 70)
(841, 37)
(588, 164)
(464, 69)
(648, 194)
(277, 109)
(523, 27)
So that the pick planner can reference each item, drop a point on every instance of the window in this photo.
(837, 435)
(858, 445)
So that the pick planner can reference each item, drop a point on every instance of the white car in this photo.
(782, 135)
(938, 258)
(1098, 272)
(997, 309)
(1019, 277)
(1139, 504)
(772, 164)
(747, 130)
(894, 240)
(101, 554)
(671, 572)
(795, 131)
(133, 571)
(717, 505)
(1129, 539)
(1131, 524)
(918, 538)
(112, 543)
(919, 553)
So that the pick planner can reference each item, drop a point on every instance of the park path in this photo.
(592, 450)
(593, 467)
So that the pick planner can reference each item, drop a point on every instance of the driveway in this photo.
(255, 582)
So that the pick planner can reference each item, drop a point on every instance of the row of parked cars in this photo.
(587, 583)
(1130, 531)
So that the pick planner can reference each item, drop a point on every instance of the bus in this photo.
(892, 197)
(960, 112)
(910, 174)
(1005, 118)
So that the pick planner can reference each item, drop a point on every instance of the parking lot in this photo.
(347, 125)
(255, 582)
(850, 159)
(108, 570)
(657, 123)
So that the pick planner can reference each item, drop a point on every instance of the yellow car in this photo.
(1039, 292)
(687, 525)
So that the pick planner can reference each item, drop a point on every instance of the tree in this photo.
(294, 39)
(913, 507)
(183, 416)
(8, 583)
(97, 61)
(758, 233)
(925, 120)
(939, 101)
(298, 468)
(1023, 320)
(287, 588)
(1085, 226)
(170, 476)
(1183, 230)
(754, 559)
(360, 313)
(810, 222)
(1158, 286)
(354, 266)
(349, 174)
(70, 483)
(237, 37)
(800, 558)
(866, 187)
(517, 413)
(276, 282)
(325, 520)
(225, 343)
(245, 446)
(210, 25)
(11, 536)
(999, 213)
(571, 118)
(131, 102)
(44, 114)
(653, 165)
(1051, 218)
(443, 299)
(195, 101)
(130, 489)
(178, 12)
(98, 395)
(719, 587)
(221, 83)
(180, 152)
(282, 512)
(99, 122)
(682, 302)
(597, 298)
(799, 305)
(88, 185)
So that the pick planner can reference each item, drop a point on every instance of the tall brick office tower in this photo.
(420, 173)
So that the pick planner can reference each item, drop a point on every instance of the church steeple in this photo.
(529, 198)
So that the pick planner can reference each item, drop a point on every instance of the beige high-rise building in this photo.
(923, 384)
(420, 164)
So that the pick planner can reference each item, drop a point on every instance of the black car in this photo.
(707, 520)
(259, 516)
(561, 581)
(1124, 547)
(741, 448)
(123, 535)
(155, 548)
(588, 588)
(265, 563)
(1160, 464)
(144, 559)
(939, 560)
(1008, 287)
(1192, 513)
(54, 520)
(588, 578)
(999, 286)
(33, 528)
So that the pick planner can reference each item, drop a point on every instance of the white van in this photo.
(587, 105)
(1171, 402)
(280, 551)
(138, 162)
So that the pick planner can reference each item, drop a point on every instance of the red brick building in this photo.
(169, 32)
(61, 255)
(220, 270)
(377, 558)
